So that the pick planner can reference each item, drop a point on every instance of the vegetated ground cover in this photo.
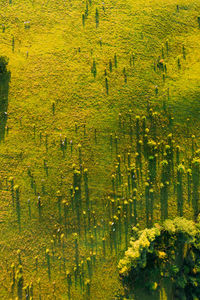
(71, 76)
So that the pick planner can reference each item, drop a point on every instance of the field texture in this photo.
(102, 113)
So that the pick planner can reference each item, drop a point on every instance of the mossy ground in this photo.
(51, 61)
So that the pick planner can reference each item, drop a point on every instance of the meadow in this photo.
(101, 132)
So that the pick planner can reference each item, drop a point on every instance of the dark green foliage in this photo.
(94, 69)
(13, 44)
(110, 65)
(147, 203)
(4, 90)
(184, 52)
(198, 19)
(3, 64)
(39, 205)
(115, 60)
(196, 183)
(106, 83)
(53, 107)
(20, 282)
(86, 189)
(83, 20)
(97, 17)
(18, 207)
(168, 252)
(189, 181)
(179, 62)
(167, 46)
(86, 10)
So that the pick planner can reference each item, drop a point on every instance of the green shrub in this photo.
(165, 252)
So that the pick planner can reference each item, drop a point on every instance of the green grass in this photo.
(55, 70)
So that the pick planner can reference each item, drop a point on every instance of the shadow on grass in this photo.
(4, 90)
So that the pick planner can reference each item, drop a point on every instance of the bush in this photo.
(168, 252)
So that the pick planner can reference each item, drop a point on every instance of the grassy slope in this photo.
(56, 71)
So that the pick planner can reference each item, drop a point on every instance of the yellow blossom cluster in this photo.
(137, 249)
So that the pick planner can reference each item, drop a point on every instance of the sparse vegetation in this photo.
(99, 137)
